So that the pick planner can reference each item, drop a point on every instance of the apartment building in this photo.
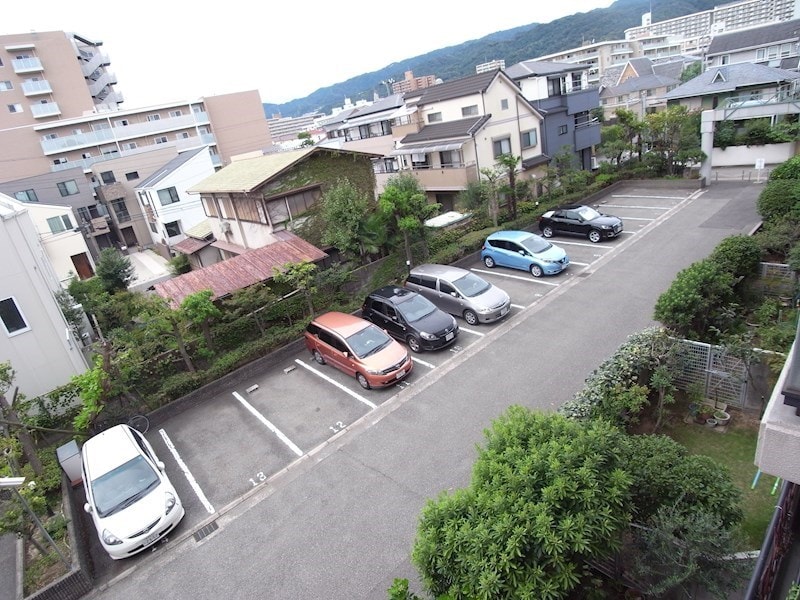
(595, 57)
(283, 129)
(490, 66)
(773, 45)
(61, 112)
(411, 83)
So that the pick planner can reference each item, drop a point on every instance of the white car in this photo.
(128, 494)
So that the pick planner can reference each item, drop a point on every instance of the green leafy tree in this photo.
(779, 198)
(200, 310)
(507, 164)
(633, 128)
(724, 134)
(404, 201)
(114, 270)
(696, 303)
(789, 169)
(613, 143)
(344, 209)
(674, 136)
(300, 276)
(547, 494)
(491, 187)
(307, 140)
(692, 71)
(738, 255)
(179, 264)
(73, 313)
(252, 300)
(10, 416)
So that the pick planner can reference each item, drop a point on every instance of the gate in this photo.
(723, 376)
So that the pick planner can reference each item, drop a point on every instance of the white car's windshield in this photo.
(470, 285)
(368, 341)
(415, 308)
(587, 213)
(123, 486)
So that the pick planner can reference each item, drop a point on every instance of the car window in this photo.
(536, 244)
(588, 213)
(446, 288)
(123, 486)
(368, 341)
(313, 329)
(471, 285)
(427, 282)
(415, 308)
(388, 310)
(142, 445)
(332, 340)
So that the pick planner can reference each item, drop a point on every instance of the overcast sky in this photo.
(168, 51)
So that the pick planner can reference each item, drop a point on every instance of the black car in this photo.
(410, 317)
(580, 220)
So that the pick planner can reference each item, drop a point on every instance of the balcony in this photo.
(47, 109)
(27, 65)
(34, 88)
(121, 133)
(587, 135)
(447, 178)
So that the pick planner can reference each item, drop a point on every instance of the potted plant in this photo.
(704, 413)
(722, 417)
(711, 422)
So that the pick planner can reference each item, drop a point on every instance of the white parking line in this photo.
(186, 472)
(509, 276)
(642, 207)
(638, 219)
(472, 331)
(519, 306)
(585, 244)
(423, 363)
(358, 397)
(656, 197)
(269, 425)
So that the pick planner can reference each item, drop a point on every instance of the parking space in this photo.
(230, 443)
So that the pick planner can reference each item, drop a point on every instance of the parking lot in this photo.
(220, 450)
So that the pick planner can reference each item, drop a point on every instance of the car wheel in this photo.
(413, 343)
(318, 357)
(594, 236)
(536, 270)
(362, 381)
(488, 261)
(471, 317)
(547, 231)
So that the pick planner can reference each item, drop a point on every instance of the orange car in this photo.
(358, 348)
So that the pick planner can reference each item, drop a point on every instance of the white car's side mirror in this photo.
(160, 466)
(88, 508)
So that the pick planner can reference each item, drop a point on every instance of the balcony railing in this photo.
(124, 132)
(27, 65)
(33, 88)
(48, 109)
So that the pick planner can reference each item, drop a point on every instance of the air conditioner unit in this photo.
(225, 226)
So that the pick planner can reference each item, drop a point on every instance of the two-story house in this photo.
(34, 336)
(455, 129)
(772, 45)
(365, 128)
(561, 93)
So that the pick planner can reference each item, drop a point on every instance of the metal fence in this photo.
(776, 279)
(723, 376)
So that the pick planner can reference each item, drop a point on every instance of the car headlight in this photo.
(170, 502)
(483, 310)
(427, 336)
(605, 226)
(374, 372)
(110, 539)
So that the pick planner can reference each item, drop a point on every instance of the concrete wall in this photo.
(736, 156)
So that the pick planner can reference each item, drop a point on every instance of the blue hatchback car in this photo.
(524, 250)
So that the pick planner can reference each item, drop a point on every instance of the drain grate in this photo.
(205, 531)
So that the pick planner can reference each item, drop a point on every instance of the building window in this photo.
(469, 111)
(107, 177)
(504, 104)
(133, 175)
(59, 224)
(26, 196)
(86, 155)
(175, 113)
(502, 146)
(562, 129)
(11, 317)
(725, 59)
(5, 85)
(173, 228)
(153, 117)
(168, 196)
(129, 146)
(161, 140)
(122, 123)
(184, 135)
(120, 210)
(529, 138)
(67, 188)
(15, 108)
(435, 117)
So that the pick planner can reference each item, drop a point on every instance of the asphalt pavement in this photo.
(340, 523)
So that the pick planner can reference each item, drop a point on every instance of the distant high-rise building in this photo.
(490, 66)
(411, 83)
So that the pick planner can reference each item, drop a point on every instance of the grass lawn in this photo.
(735, 448)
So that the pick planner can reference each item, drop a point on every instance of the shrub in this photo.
(738, 255)
(778, 198)
(789, 169)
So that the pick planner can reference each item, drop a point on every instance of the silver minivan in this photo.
(460, 292)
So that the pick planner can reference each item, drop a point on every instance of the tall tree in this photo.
(114, 270)
(507, 163)
(200, 310)
(344, 211)
(404, 200)
(301, 276)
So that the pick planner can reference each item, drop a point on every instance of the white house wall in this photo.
(62, 246)
(44, 356)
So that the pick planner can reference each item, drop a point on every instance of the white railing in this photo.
(31, 88)
(26, 65)
(48, 109)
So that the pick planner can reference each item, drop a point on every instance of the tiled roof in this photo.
(463, 128)
(200, 231)
(190, 245)
(729, 78)
(456, 88)
(754, 37)
(224, 278)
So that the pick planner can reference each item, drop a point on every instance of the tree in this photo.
(692, 71)
(9, 413)
(633, 128)
(507, 164)
(114, 270)
(300, 276)
(251, 300)
(490, 181)
(307, 140)
(404, 200)
(546, 494)
(674, 136)
(344, 211)
(200, 310)
(613, 143)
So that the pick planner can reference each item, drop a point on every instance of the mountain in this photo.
(512, 45)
